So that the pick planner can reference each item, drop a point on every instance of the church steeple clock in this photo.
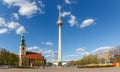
(22, 50)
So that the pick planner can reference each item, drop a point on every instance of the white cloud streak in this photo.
(13, 25)
(104, 48)
(4, 30)
(87, 23)
(79, 49)
(72, 55)
(48, 51)
(81, 52)
(20, 30)
(16, 16)
(66, 14)
(67, 1)
(48, 43)
(78, 53)
(73, 20)
(2, 22)
(26, 7)
(47, 56)
(85, 53)
(59, 7)
(32, 48)
(10, 26)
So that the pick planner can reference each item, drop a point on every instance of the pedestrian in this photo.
(44, 62)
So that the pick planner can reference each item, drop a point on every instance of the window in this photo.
(23, 48)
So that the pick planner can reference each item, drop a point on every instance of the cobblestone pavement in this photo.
(69, 69)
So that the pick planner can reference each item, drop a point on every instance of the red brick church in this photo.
(29, 58)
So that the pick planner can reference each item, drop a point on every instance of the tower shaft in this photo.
(59, 45)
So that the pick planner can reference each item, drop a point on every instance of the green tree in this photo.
(117, 58)
(90, 59)
(8, 58)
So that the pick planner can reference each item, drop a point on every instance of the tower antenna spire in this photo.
(59, 8)
(60, 16)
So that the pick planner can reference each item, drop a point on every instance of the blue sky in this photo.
(88, 26)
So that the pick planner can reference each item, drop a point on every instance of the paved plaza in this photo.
(69, 69)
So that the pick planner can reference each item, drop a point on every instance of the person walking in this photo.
(44, 62)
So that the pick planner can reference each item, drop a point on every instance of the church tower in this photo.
(22, 50)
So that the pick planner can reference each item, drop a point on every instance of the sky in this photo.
(88, 26)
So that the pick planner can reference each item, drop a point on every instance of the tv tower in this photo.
(59, 23)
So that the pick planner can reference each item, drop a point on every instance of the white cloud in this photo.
(26, 7)
(35, 49)
(79, 52)
(103, 48)
(10, 26)
(87, 22)
(20, 30)
(48, 51)
(67, 1)
(16, 26)
(72, 55)
(10, 2)
(13, 25)
(32, 48)
(16, 16)
(41, 3)
(79, 49)
(4, 30)
(59, 7)
(66, 14)
(2, 22)
(48, 43)
(47, 56)
(85, 53)
(73, 20)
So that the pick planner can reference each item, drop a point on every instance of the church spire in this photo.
(22, 41)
